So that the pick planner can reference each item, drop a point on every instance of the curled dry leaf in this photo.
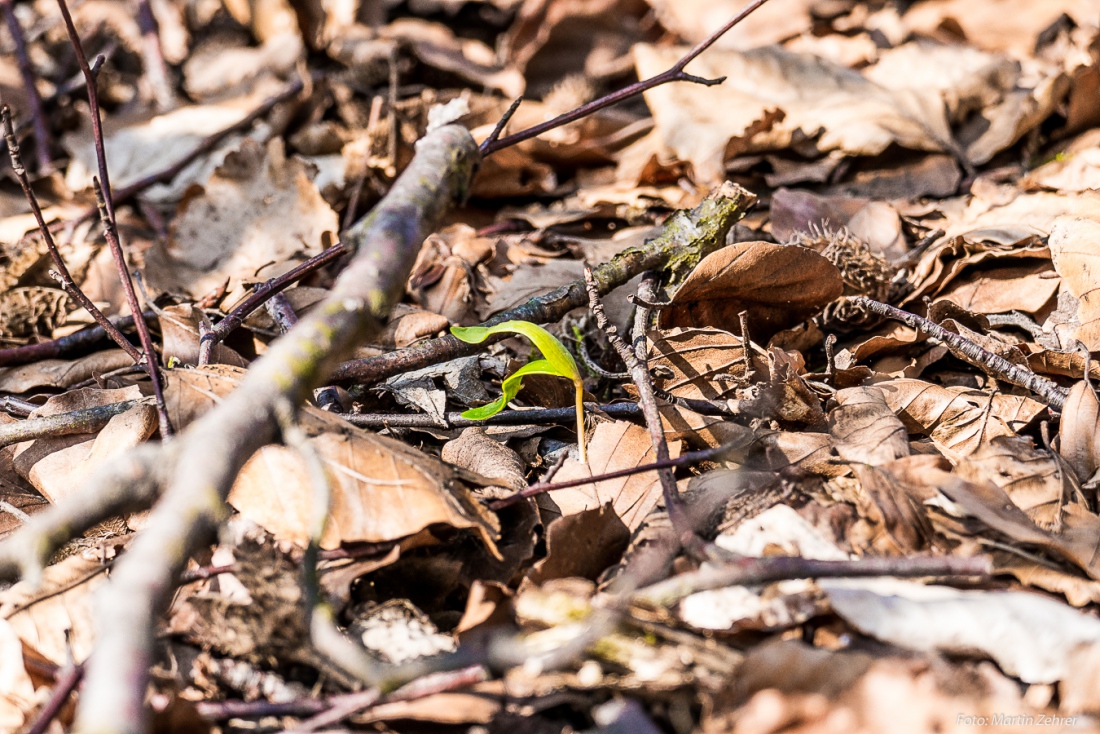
(1077, 259)
(837, 107)
(382, 489)
(779, 285)
(474, 451)
(865, 429)
(259, 207)
(62, 373)
(614, 445)
(1031, 477)
(957, 419)
(57, 466)
(1079, 436)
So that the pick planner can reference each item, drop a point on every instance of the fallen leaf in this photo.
(1028, 635)
(179, 328)
(865, 429)
(382, 489)
(259, 207)
(1079, 434)
(191, 392)
(57, 616)
(474, 451)
(582, 545)
(779, 285)
(17, 699)
(614, 445)
(958, 420)
(61, 373)
(1072, 247)
(836, 107)
(58, 466)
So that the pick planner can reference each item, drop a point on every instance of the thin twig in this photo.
(63, 687)
(62, 270)
(14, 406)
(501, 124)
(644, 384)
(968, 351)
(73, 344)
(152, 56)
(755, 571)
(691, 457)
(593, 367)
(536, 417)
(43, 141)
(674, 74)
(258, 296)
(106, 207)
(151, 363)
(644, 305)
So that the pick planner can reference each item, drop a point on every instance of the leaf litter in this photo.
(937, 156)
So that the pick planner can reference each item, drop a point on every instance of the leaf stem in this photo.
(580, 420)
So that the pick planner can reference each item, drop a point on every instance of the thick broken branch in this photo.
(687, 238)
(214, 448)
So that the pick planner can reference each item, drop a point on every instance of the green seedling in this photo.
(558, 362)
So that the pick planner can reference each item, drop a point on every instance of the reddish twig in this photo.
(156, 71)
(110, 225)
(78, 343)
(259, 296)
(152, 365)
(42, 138)
(62, 270)
(691, 457)
(674, 74)
(64, 685)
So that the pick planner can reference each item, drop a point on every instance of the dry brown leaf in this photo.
(188, 393)
(896, 509)
(697, 360)
(436, 45)
(61, 373)
(1079, 434)
(1005, 25)
(581, 545)
(779, 285)
(17, 699)
(957, 419)
(694, 20)
(835, 106)
(139, 147)
(865, 429)
(474, 451)
(57, 616)
(614, 445)
(1077, 260)
(179, 328)
(1074, 168)
(527, 282)
(382, 489)
(259, 207)
(57, 466)
(1031, 477)
(210, 72)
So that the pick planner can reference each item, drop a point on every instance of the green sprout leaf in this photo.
(558, 362)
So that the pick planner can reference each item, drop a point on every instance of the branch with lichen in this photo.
(688, 236)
